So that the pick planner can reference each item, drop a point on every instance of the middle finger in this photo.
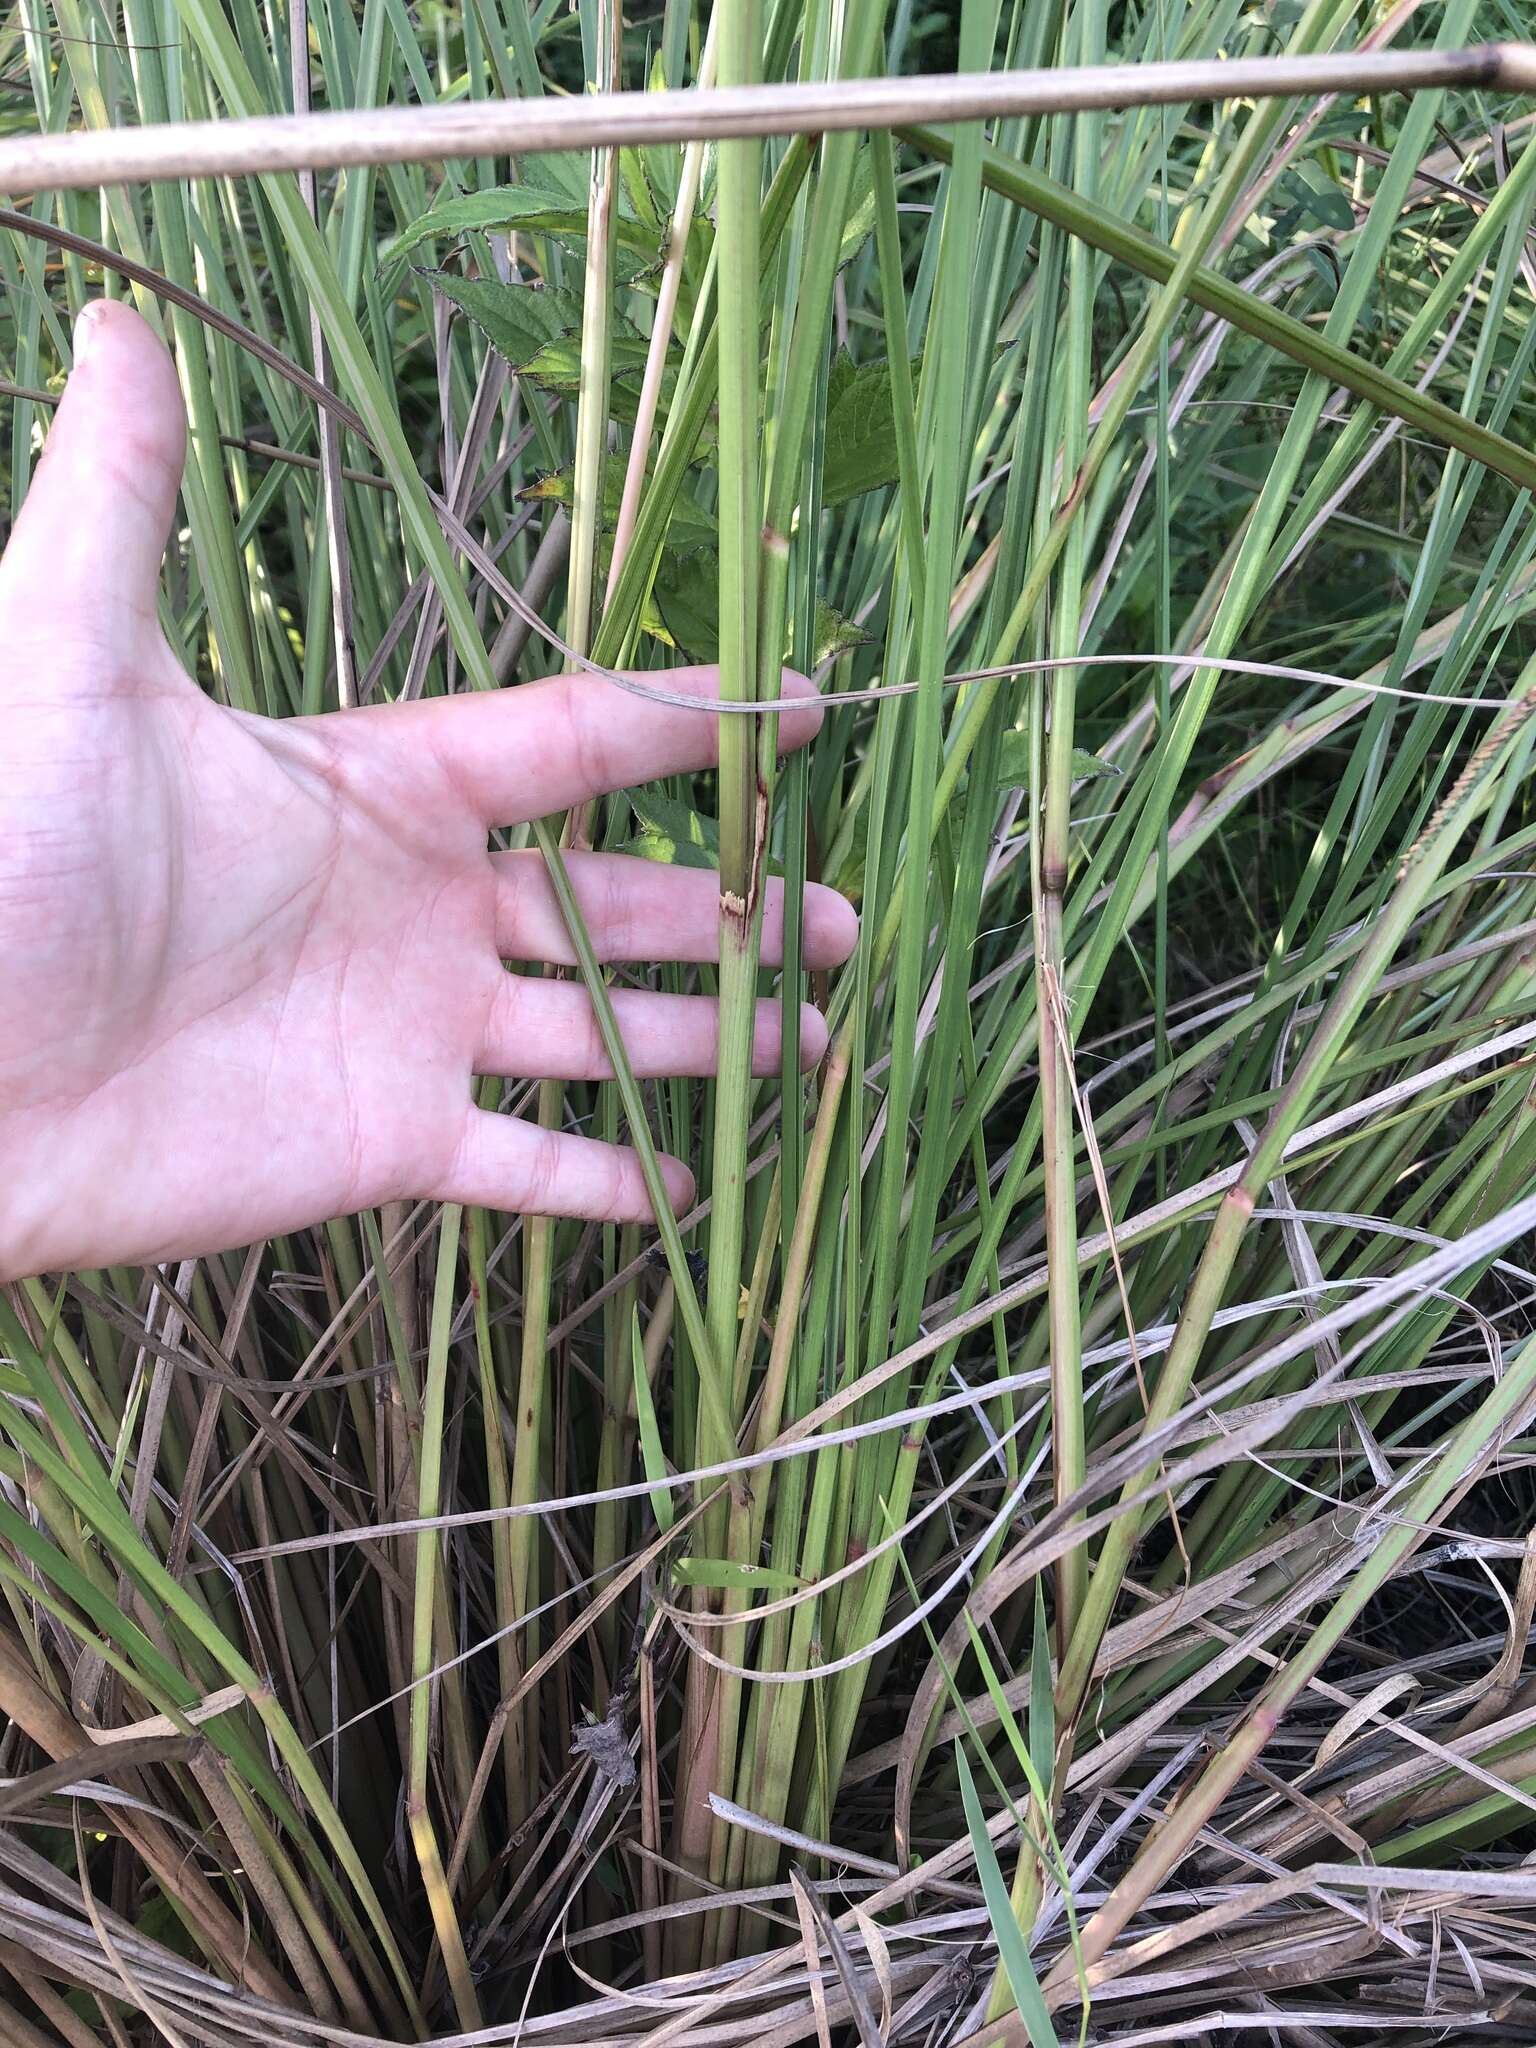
(647, 910)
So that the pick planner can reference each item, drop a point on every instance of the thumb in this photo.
(86, 548)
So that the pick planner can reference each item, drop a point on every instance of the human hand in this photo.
(251, 966)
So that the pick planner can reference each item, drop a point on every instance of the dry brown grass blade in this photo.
(25, 1702)
(58, 2013)
(524, 127)
(1504, 1680)
(810, 1936)
(826, 1930)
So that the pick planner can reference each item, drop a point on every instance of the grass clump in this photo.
(1052, 1528)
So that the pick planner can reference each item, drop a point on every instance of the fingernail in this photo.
(86, 329)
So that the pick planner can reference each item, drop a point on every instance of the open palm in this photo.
(251, 966)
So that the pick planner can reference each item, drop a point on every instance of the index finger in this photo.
(537, 748)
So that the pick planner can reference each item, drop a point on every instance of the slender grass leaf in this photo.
(652, 1457)
(1011, 1948)
(724, 1572)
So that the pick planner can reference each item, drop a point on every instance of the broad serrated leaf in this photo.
(624, 400)
(1306, 196)
(1332, 209)
(1013, 763)
(518, 320)
(553, 202)
(538, 208)
(860, 223)
(685, 611)
(861, 430)
(834, 635)
(568, 171)
(1324, 201)
(672, 833)
(557, 366)
(690, 526)
(536, 329)
(635, 171)
(685, 602)
(849, 879)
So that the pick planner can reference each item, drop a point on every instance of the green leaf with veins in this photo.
(554, 203)
(690, 525)
(672, 833)
(834, 635)
(1013, 763)
(684, 611)
(536, 330)
(684, 607)
(526, 208)
(518, 320)
(860, 224)
(861, 430)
